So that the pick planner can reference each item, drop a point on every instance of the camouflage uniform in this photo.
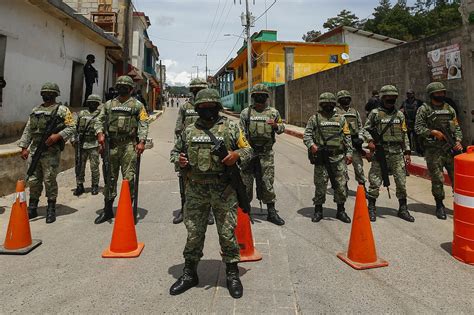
(261, 137)
(206, 188)
(395, 143)
(335, 130)
(89, 145)
(354, 120)
(48, 166)
(430, 117)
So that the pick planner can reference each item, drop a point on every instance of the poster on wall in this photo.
(445, 63)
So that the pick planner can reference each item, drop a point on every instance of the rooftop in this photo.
(360, 32)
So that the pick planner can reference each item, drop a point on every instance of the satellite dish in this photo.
(344, 56)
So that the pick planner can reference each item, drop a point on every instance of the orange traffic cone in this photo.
(361, 253)
(124, 237)
(243, 233)
(18, 240)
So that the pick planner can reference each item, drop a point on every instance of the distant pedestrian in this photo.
(172, 102)
(373, 102)
(90, 75)
(111, 94)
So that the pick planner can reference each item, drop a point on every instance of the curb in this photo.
(154, 117)
(413, 168)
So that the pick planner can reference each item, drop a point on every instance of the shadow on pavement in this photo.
(208, 272)
(427, 209)
(60, 211)
(328, 214)
(142, 213)
(383, 211)
(447, 247)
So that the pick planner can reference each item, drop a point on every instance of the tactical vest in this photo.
(123, 118)
(190, 115)
(441, 117)
(40, 119)
(410, 110)
(260, 133)
(351, 118)
(394, 133)
(84, 121)
(331, 130)
(199, 145)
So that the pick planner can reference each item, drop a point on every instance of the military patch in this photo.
(205, 139)
(143, 115)
(329, 123)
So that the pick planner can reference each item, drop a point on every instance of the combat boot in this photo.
(372, 209)
(210, 220)
(188, 280)
(95, 190)
(440, 210)
(234, 285)
(403, 212)
(318, 213)
(51, 211)
(107, 213)
(33, 208)
(341, 214)
(79, 190)
(273, 216)
(179, 218)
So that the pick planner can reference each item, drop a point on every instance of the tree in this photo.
(311, 36)
(344, 18)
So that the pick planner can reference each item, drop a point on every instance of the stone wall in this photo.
(405, 66)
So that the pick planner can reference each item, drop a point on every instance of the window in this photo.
(334, 59)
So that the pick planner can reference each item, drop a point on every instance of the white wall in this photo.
(39, 48)
(138, 43)
(360, 46)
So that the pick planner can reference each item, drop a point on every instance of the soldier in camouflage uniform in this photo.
(207, 189)
(187, 116)
(127, 122)
(89, 145)
(354, 120)
(431, 118)
(391, 127)
(329, 130)
(48, 166)
(260, 123)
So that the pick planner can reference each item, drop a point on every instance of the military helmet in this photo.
(343, 94)
(434, 87)
(94, 98)
(50, 87)
(388, 90)
(125, 80)
(260, 89)
(327, 97)
(208, 96)
(198, 83)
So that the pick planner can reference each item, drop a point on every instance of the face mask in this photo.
(345, 101)
(92, 108)
(439, 99)
(390, 102)
(328, 108)
(48, 98)
(260, 98)
(208, 114)
(123, 90)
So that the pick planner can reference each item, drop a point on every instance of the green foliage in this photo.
(178, 90)
(311, 36)
(344, 18)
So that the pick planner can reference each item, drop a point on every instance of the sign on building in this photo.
(445, 63)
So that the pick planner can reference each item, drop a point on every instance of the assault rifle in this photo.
(106, 157)
(450, 143)
(135, 187)
(381, 157)
(232, 172)
(257, 170)
(52, 128)
(80, 143)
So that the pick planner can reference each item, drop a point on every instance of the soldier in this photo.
(432, 121)
(260, 123)
(389, 125)
(127, 122)
(48, 166)
(328, 139)
(187, 116)
(88, 144)
(207, 188)
(354, 120)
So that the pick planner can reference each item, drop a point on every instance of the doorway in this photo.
(77, 84)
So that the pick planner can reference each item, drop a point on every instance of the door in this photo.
(77, 84)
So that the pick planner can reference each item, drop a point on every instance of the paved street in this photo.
(299, 273)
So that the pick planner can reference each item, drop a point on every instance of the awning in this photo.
(153, 81)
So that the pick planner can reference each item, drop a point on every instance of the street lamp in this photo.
(204, 55)
(234, 35)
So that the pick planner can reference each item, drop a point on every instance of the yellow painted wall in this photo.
(309, 59)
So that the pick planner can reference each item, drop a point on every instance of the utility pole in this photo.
(126, 36)
(197, 71)
(204, 55)
(248, 24)
(161, 87)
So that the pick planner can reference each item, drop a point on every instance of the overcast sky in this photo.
(183, 28)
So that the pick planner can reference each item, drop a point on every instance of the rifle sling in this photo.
(390, 123)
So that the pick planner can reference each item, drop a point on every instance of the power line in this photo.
(218, 33)
(181, 41)
(231, 51)
(274, 1)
